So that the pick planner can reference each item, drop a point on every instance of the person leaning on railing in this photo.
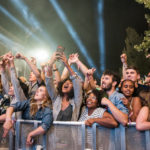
(131, 102)
(93, 112)
(37, 108)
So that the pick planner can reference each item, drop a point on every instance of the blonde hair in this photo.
(46, 102)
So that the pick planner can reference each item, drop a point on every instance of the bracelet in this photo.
(55, 69)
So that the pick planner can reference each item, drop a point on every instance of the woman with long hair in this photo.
(37, 108)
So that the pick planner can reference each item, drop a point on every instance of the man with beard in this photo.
(114, 103)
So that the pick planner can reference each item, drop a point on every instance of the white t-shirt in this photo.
(97, 113)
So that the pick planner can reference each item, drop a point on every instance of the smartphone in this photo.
(60, 49)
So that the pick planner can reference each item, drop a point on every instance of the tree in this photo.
(145, 44)
(135, 58)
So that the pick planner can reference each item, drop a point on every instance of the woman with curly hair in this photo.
(67, 98)
(93, 111)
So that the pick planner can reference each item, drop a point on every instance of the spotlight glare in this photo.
(41, 55)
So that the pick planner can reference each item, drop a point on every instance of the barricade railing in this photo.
(76, 136)
(23, 127)
(6, 143)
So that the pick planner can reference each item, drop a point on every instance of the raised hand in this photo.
(6, 60)
(123, 58)
(63, 58)
(73, 58)
(89, 73)
(10, 57)
(54, 57)
(20, 56)
(33, 60)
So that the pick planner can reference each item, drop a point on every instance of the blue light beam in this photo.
(101, 35)
(16, 21)
(11, 45)
(30, 18)
(73, 33)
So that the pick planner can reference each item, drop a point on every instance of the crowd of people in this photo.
(51, 96)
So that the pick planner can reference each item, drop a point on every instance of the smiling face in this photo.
(127, 88)
(41, 93)
(91, 101)
(67, 87)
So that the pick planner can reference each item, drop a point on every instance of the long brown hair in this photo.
(46, 102)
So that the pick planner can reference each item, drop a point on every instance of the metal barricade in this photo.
(121, 138)
(8, 142)
(66, 136)
(23, 127)
(139, 140)
(61, 136)
(75, 136)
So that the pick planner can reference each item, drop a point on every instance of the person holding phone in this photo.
(67, 98)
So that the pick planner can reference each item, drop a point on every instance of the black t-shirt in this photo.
(65, 115)
(140, 88)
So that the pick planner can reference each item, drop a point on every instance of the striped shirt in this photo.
(97, 113)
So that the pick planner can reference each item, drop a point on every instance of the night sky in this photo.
(83, 16)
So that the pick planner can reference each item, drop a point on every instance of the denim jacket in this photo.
(43, 114)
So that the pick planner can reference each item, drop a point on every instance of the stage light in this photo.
(41, 54)
(101, 35)
(73, 33)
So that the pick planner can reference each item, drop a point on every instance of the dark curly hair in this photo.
(59, 88)
(99, 95)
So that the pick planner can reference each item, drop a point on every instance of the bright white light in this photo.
(41, 54)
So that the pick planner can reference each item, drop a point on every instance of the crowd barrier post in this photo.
(147, 139)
